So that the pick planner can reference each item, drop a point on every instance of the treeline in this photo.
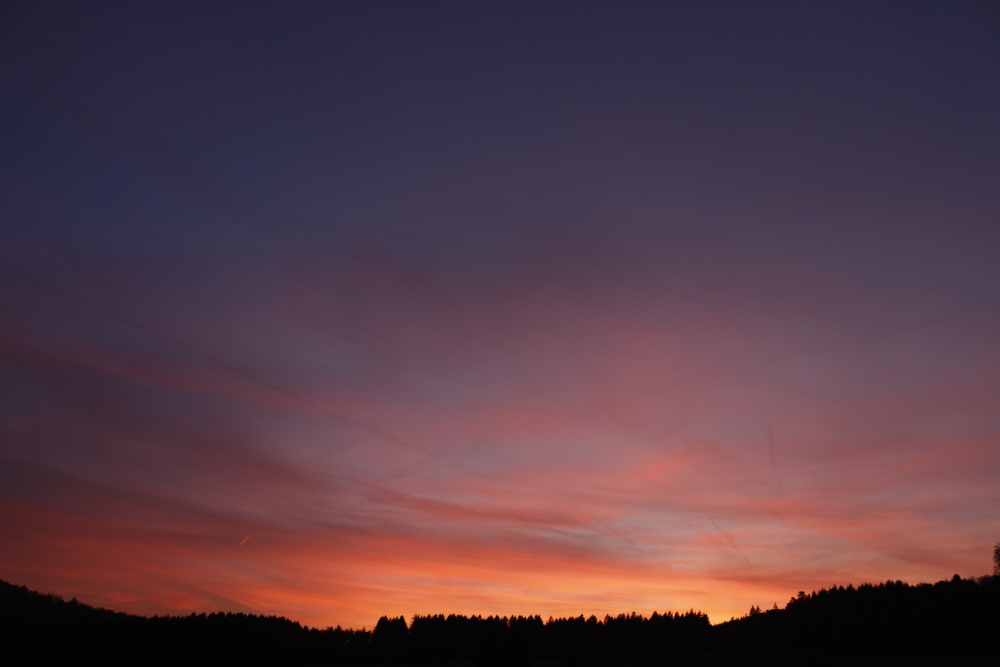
(953, 617)
(518, 640)
(38, 629)
(45, 630)
(960, 615)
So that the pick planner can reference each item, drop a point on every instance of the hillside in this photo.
(954, 622)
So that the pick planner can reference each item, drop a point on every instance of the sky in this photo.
(331, 310)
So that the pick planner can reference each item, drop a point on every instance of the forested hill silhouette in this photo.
(955, 622)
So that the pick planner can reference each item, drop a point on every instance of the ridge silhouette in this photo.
(951, 622)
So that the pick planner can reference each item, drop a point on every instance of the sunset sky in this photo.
(331, 310)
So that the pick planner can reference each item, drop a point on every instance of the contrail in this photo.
(770, 445)
(244, 541)
(729, 538)
(774, 464)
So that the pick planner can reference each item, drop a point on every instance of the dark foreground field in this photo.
(777, 659)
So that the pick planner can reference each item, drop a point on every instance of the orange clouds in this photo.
(697, 527)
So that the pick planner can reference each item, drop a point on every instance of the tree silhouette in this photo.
(951, 619)
(389, 639)
(996, 560)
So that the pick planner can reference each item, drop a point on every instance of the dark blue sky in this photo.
(496, 307)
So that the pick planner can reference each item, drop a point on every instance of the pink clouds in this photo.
(648, 482)
(561, 539)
